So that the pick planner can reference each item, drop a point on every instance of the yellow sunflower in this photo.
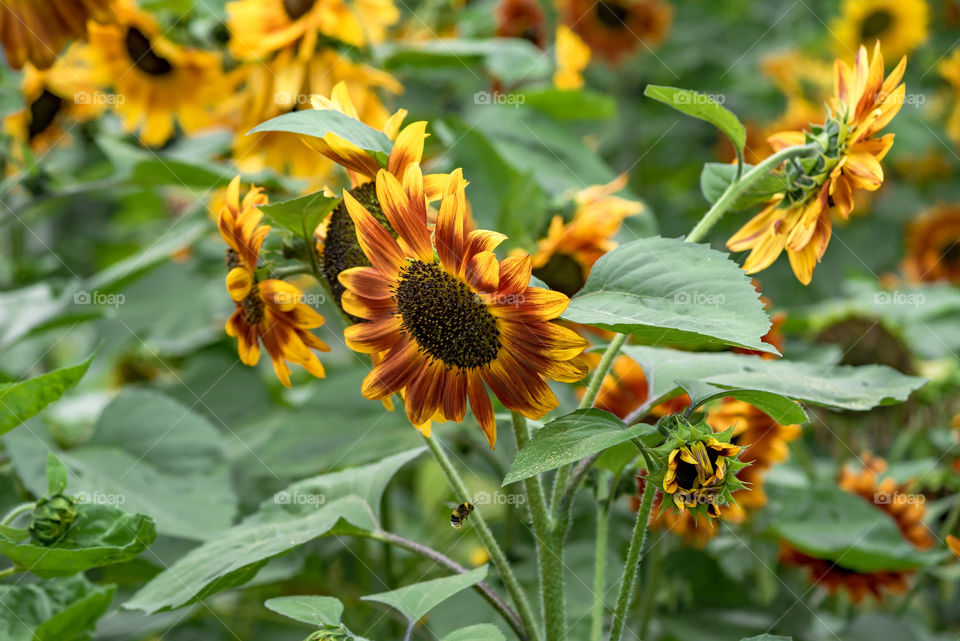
(908, 516)
(447, 316)
(156, 82)
(564, 258)
(522, 19)
(35, 30)
(269, 311)
(614, 29)
(949, 68)
(696, 472)
(863, 104)
(899, 25)
(933, 246)
(572, 57)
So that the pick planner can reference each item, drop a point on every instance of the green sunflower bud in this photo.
(51, 519)
(331, 633)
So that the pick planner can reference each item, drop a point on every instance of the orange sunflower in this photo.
(522, 19)
(933, 246)
(269, 311)
(447, 317)
(863, 104)
(36, 30)
(613, 29)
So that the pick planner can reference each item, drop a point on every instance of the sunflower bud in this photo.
(697, 466)
(51, 519)
(331, 633)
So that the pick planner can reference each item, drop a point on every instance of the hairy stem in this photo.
(628, 581)
(600, 562)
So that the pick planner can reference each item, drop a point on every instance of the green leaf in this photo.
(570, 438)
(842, 386)
(23, 400)
(101, 535)
(156, 171)
(315, 610)
(778, 407)
(828, 523)
(320, 122)
(414, 601)
(301, 215)
(717, 176)
(664, 290)
(480, 632)
(561, 104)
(768, 637)
(52, 610)
(702, 106)
(509, 59)
(56, 475)
(343, 502)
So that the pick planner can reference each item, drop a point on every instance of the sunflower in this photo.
(564, 258)
(907, 515)
(949, 69)
(863, 104)
(267, 311)
(933, 246)
(448, 317)
(35, 30)
(156, 82)
(614, 29)
(696, 474)
(899, 25)
(522, 19)
(572, 57)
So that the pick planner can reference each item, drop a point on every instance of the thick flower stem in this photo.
(628, 582)
(600, 562)
(736, 189)
(486, 536)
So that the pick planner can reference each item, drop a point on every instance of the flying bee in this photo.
(460, 514)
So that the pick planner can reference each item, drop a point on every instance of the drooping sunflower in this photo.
(522, 19)
(36, 30)
(899, 25)
(613, 29)
(572, 57)
(799, 221)
(269, 311)
(933, 246)
(564, 258)
(448, 317)
(908, 516)
(157, 83)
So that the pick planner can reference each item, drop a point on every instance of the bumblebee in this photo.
(460, 514)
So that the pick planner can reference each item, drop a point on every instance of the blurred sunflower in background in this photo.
(36, 30)
(949, 69)
(157, 83)
(522, 19)
(899, 25)
(933, 246)
(572, 55)
(449, 318)
(613, 29)
(883, 495)
(626, 388)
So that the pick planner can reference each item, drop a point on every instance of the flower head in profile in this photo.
(269, 312)
(848, 158)
(447, 317)
(933, 246)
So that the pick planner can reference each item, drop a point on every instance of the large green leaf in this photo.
(480, 632)
(101, 535)
(315, 610)
(346, 502)
(704, 107)
(717, 176)
(776, 406)
(23, 400)
(564, 104)
(52, 610)
(319, 122)
(570, 438)
(509, 59)
(665, 290)
(414, 601)
(842, 386)
(301, 215)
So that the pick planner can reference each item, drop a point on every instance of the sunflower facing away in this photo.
(267, 311)
(908, 516)
(448, 318)
(933, 246)
(899, 25)
(863, 104)
(35, 30)
(156, 81)
(613, 29)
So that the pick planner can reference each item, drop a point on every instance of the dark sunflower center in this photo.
(252, 306)
(341, 250)
(686, 475)
(233, 259)
(296, 9)
(950, 254)
(445, 317)
(562, 273)
(42, 112)
(612, 14)
(875, 24)
(141, 52)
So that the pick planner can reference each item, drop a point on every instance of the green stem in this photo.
(486, 536)
(606, 362)
(9, 571)
(292, 270)
(654, 570)
(600, 561)
(628, 582)
(736, 189)
(17, 511)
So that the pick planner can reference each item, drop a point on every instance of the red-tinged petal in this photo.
(368, 308)
(398, 368)
(367, 282)
(519, 388)
(449, 235)
(483, 272)
(410, 222)
(478, 241)
(379, 246)
(482, 407)
(551, 339)
(373, 336)
(407, 148)
(280, 295)
(535, 303)
(455, 396)
(515, 272)
(424, 395)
